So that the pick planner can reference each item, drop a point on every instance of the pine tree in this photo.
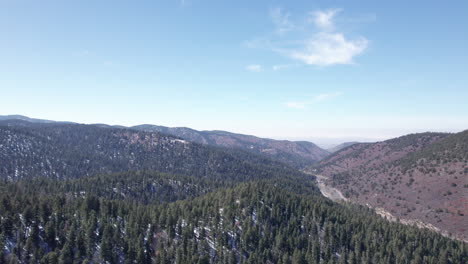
(298, 257)
(107, 253)
(49, 235)
(443, 257)
(66, 254)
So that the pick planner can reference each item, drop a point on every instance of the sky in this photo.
(324, 71)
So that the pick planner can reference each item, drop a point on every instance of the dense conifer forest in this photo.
(90, 194)
(174, 219)
(65, 151)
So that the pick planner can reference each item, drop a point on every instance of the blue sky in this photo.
(313, 70)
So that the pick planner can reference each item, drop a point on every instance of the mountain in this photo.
(72, 193)
(298, 154)
(341, 146)
(24, 118)
(376, 154)
(266, 221)
(295, 153)
(63, 151)
(421, 178)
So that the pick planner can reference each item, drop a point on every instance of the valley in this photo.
(418, 178)
(329, 191)
(335, 195)
(233, 132)
(106, 194)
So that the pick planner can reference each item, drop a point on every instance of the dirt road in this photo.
(328, 191)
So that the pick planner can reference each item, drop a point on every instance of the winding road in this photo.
(328, 191)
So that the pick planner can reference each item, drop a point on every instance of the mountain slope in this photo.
(296, 153)
(73, 150)
(365, 155)
(255, 222)
(24, 118)
(421, 177)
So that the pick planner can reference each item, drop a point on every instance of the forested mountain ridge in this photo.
(72, 150)
(25, 118)
(420, 177)
(296, 153)
(72, 193)
(375, 154)
(268, 221)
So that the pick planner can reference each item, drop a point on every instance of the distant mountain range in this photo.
(294, 153)
(419, 176)
(298, 154)
(24, 118)
(341, 146)
(63, 151)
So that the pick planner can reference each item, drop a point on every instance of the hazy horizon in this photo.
(323, 142)
(299, 70)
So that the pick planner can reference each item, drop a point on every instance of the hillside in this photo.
(296, 153)
(24, 118)
(256, 222)
(416, 177)
(72, 193)
(62, 151)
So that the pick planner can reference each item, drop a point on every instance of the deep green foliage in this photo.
(253, 222)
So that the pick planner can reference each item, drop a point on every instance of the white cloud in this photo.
(254, 68)
(322, 45)
(281, 20)
(323, 19)
(328, 49)
(315, 99)
(279, 67)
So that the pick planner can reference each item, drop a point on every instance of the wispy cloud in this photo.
(254, 68)
(323, 19)
(315, 99)
(325, 49)
(328, 47)
(279, 67)
(317, 41)
(281, 20)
